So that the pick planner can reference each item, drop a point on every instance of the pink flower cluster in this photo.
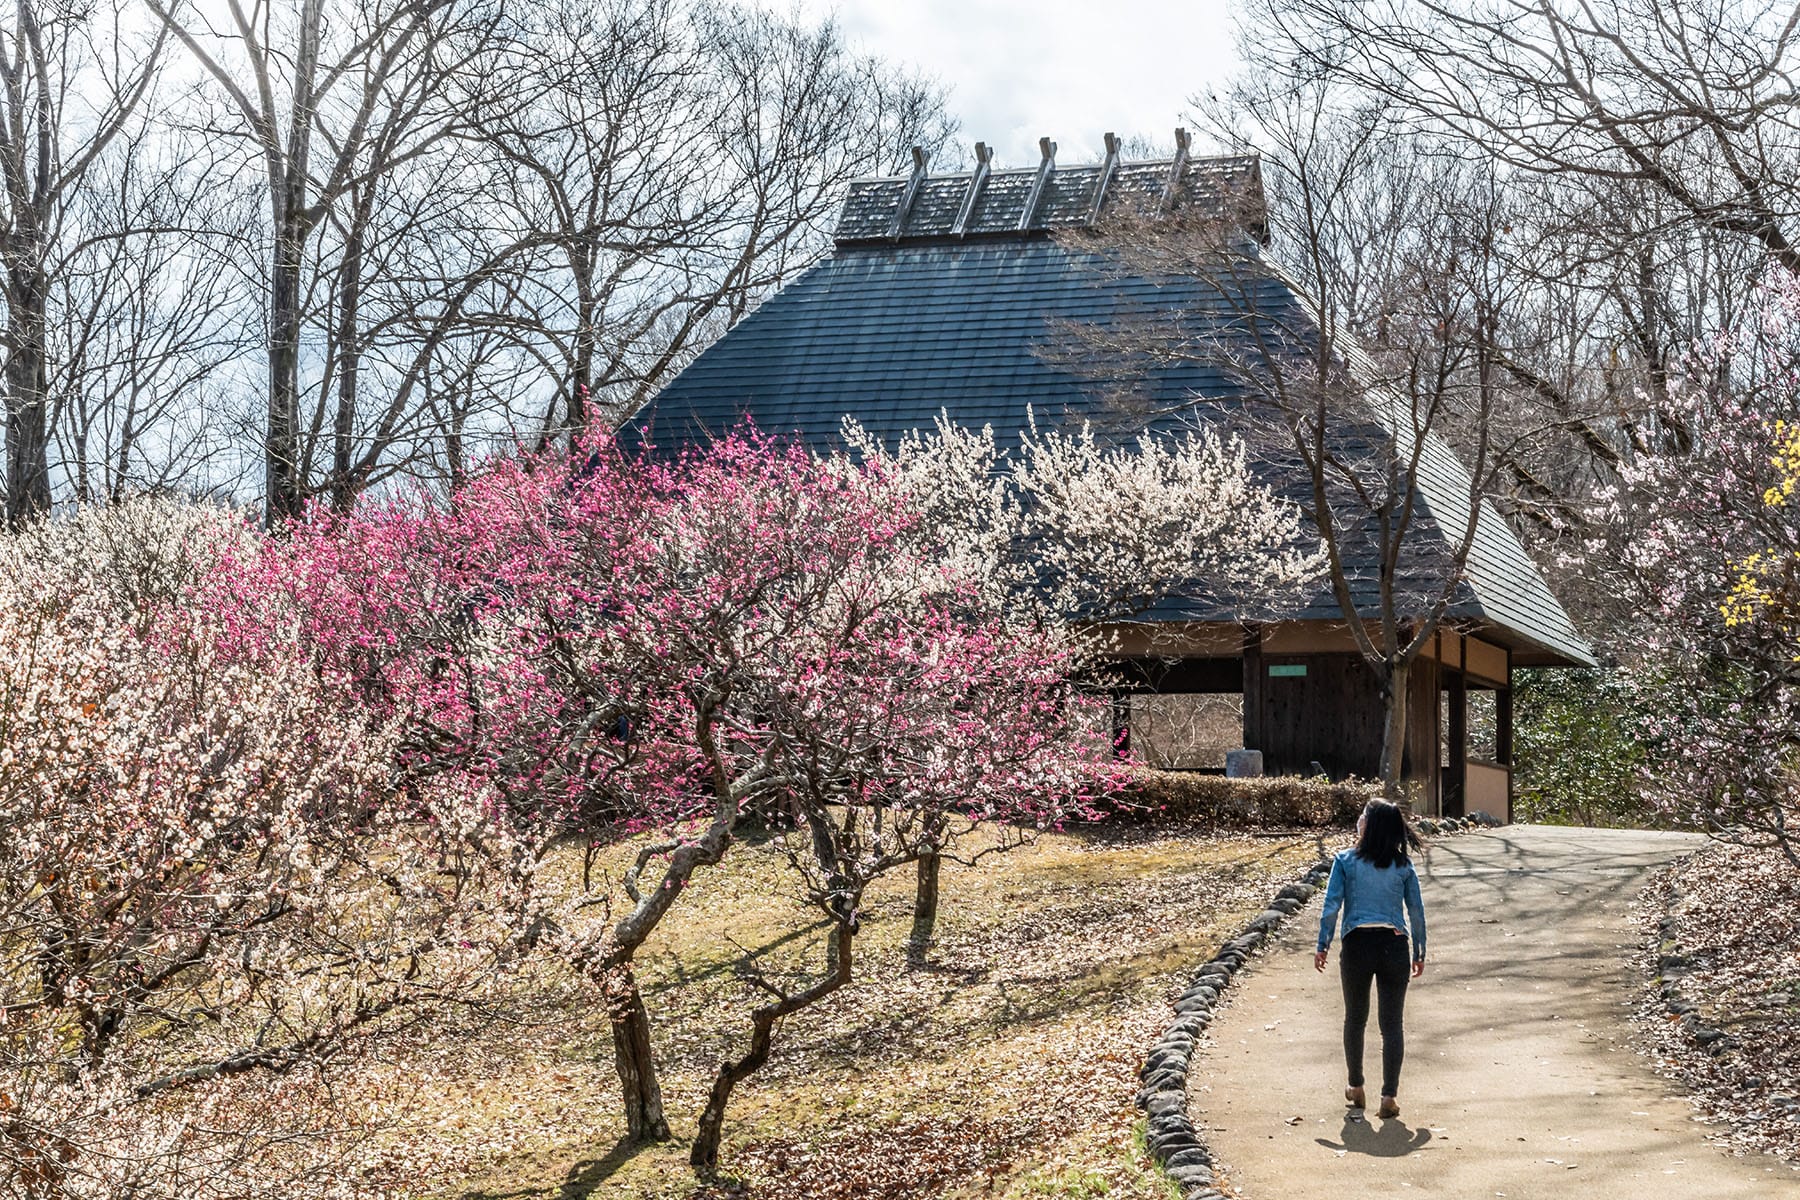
(593, 637)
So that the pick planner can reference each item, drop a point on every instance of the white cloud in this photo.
(1070, 70)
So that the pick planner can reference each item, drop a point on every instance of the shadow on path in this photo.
(1392, 1139)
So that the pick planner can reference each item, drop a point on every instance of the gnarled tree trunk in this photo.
(27, 401)
(634, 1059)
(925, 906)
(704, 1157)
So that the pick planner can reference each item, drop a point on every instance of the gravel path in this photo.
(1521, 1080)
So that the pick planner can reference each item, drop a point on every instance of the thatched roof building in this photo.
(943, 294)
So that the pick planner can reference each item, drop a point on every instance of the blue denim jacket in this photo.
(1371, 895)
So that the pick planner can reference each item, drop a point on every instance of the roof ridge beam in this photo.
(1046, 167)
(1177, 168)
(910, 193)
(983, 164)
(1106, 173)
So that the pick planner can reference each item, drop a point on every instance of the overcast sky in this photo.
(1070, 70)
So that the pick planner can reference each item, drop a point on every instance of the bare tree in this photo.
(545, 209)
(1358, 357)
(1692, 99)
(70, 80)
(1648, 152)
(144, 328)
(334, 104)
(677, 160)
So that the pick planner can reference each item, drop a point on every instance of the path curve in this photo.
(1520, 1080)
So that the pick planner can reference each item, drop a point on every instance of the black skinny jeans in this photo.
(1379, 953)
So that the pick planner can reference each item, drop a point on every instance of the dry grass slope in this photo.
(1004, 1068)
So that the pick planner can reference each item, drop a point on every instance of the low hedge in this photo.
(1214, 799)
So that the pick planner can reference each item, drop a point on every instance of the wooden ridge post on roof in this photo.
(983, 160)
(1046, 165)
(911, 192)
(1106, 173)
(1253, 205)
(1177, 168)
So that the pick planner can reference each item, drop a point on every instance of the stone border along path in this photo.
(1672, 961)
(1173, 1140)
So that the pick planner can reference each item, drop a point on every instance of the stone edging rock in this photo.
(1475, 820)
(1672, 962)
(1173, 1140)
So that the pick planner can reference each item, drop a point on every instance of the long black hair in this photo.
(1386, 836)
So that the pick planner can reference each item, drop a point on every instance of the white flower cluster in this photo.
(1068, 528)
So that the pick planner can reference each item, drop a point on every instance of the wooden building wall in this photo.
(1328, 709)
(1421, 760)
(1310, 698)
(1331, 715)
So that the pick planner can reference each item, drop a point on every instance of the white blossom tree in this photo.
(207, 890)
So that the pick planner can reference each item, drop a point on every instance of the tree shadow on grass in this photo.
(586, 1176)
(1392, 1139)
(583, 1179)
(678, 974)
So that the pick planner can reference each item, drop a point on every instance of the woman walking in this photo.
(1374, 883)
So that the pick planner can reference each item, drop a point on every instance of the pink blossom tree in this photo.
(935, 732)
(600, 647)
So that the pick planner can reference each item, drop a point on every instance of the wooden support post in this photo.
(1121, 724)
(1503, 725)
(1254, 684)
(1456, 772)
(1503, 734)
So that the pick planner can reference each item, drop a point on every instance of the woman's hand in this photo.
(1319, 960)
(1418, 967)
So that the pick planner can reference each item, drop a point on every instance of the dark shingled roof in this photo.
(893, 331)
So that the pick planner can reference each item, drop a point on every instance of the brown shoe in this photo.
(1355, 1098)
(1390, 1107)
